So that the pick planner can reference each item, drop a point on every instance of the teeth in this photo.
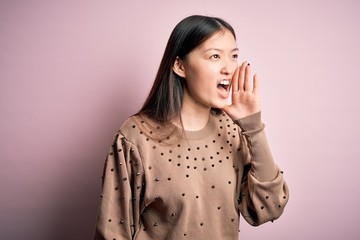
(225, 82)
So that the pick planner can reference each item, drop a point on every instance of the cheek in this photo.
(202, 77)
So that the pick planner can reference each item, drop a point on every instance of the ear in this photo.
(179, 67)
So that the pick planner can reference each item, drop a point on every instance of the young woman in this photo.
(188, 163)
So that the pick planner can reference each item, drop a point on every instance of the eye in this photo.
(215, 56)
(235, 56)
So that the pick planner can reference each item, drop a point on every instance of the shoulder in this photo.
(131, 129)
(222, 119)
(130, 123)
(129, 134)
(139, 129)
(220, 115)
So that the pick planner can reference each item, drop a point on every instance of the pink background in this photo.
(72, 71)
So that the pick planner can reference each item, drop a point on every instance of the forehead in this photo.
(220, 40)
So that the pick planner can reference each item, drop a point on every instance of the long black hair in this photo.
(165, 98)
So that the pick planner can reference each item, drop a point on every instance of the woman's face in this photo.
(208, 70)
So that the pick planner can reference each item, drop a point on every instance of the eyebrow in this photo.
(220, 50)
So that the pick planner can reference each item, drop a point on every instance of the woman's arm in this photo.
(119, 211)
(264, 193)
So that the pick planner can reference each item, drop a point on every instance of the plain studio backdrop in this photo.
(72, 71)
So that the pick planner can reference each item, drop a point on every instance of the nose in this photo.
(225, 70)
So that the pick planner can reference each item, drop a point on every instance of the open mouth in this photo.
(224, 84)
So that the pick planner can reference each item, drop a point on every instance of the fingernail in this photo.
(248, 64)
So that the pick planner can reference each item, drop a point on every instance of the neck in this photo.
(194, 116)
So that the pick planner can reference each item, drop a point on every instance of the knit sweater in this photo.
(194, 188)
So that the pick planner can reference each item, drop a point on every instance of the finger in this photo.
(234, 80)
(242, 76)
(248, 84)
(256, 85)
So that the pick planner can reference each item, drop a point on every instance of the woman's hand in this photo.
(245, 93)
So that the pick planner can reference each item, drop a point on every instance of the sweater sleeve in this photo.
(123, 176)
(264, 193)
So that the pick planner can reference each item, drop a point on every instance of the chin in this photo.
(220, 105)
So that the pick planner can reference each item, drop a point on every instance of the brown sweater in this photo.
(192, 189)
